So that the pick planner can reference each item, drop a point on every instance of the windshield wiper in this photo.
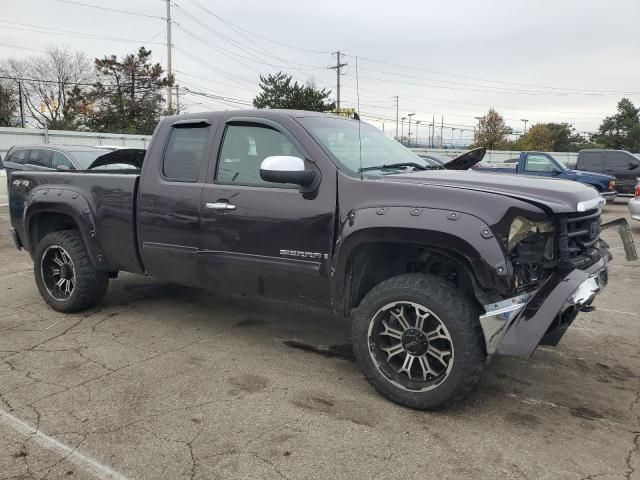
(392, 166)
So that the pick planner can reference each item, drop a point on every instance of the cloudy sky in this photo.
(544, 60)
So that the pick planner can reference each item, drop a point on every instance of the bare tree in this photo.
(52, 84)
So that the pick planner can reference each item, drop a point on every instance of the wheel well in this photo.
(46, 222)
(372, 263)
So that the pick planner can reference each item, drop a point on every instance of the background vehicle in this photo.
(621, 164)
(435, 268)
(544, 165)
(634, 203)
(64, 157)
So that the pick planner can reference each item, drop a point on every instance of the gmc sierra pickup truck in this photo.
(436, 269)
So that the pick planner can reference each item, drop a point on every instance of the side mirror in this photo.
(555, 171)
(287, 169)
(63, 167)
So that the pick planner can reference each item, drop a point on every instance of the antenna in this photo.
(357, 117)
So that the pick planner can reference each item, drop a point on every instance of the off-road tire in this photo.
(90, 283)
(453, 309)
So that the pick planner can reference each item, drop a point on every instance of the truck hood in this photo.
(559, 196)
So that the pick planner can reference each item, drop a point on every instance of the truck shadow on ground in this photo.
(552, 379)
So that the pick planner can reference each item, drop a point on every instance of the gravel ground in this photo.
(167, 382)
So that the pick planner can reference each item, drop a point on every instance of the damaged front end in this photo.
(559, 267)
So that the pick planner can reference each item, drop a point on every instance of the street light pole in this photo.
(402, 128)
(417, 123)
(409, 134)
(525, 120)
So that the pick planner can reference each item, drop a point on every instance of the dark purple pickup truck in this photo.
(435, 269)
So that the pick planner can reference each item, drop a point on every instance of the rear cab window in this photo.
(185, 151)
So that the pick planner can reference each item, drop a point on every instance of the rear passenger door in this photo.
(170, 200)
(625, 167)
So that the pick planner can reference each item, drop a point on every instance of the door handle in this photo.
(220, 206)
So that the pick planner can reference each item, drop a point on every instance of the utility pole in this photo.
(402, 128)
(433, 131)
(177, 101)
(21, 103)
(338, 67)
(397, 110)
(169, 67)
(441, 131)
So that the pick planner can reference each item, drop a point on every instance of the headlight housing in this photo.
(612, 185)
(521, 227)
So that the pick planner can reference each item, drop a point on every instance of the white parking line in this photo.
(71, 454)
(618, 311)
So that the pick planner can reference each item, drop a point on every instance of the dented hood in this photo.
(557, 195)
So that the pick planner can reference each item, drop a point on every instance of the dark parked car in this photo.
(66, 157)
(542, 164)
(624, 166)
(436, 269)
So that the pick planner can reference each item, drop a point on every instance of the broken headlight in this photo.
(531, 249)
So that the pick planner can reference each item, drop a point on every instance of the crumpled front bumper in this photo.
(516, 326)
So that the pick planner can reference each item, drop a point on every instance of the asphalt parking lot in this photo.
(167, 382)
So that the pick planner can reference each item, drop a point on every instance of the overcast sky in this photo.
(544, 60)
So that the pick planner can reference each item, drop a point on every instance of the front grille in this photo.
(578, 236)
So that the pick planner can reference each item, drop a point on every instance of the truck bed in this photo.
(109, 198)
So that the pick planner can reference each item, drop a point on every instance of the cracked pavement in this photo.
(165, 381)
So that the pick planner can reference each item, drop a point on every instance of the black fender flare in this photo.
(465, 236)
(68, 202)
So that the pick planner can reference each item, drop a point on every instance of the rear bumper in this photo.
(634, 208)
(516, 326)
(16, 239)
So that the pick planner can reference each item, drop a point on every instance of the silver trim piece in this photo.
(220, 206)
(499, 316)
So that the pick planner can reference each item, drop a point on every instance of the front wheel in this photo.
(418, 341)
(65, 275)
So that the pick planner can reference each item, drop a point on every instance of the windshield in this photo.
(341, 139)
(84, 158)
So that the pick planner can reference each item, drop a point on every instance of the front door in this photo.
(261, 238)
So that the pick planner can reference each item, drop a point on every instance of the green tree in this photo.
(279, 91)
(622, 130)
(538, 137)
(564, 137)
(492, 132)
(128, 96)
(8, 106)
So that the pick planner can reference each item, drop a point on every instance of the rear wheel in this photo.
(65, 275)
(418, 341)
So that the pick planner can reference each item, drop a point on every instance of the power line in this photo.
(58, 31)
(468, 77)
(233, 25)
(126, 12)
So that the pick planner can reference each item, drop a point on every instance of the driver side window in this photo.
(244, 148)
(539, 163)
